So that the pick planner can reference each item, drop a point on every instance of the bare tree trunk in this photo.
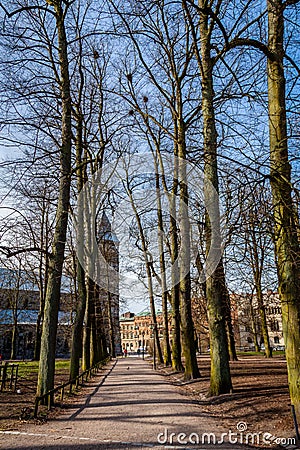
(166, 341)
(220, 381)
(263, 320)
(94, 334)
(253, 324)
(175, 295)
(229, 326)
(175, 300)
(101, 339)
(285, 230)
(48, 342)
(14, 336)
(111, 326)
(89, 308)
(43, 279)
(191, 370)
(77, 332)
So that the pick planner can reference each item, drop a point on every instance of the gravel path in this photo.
(133, 407)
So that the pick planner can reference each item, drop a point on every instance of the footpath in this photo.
(132, 407)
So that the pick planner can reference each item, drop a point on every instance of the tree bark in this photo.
(112, 345)
(160, 232)
(77, 331)
(175, 297)
(43, 276)
(285, 230)
(253, 324)
(220, 380)
(48, 341)
(87, 339)
(191, 370)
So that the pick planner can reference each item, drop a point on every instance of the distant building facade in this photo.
(137, 329)
(248, 320)
(19, 311)
(20, 306)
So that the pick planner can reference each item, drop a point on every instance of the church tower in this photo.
(109, 296)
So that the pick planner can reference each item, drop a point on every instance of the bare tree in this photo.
(285, 230)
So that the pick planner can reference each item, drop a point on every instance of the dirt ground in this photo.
(259, 399)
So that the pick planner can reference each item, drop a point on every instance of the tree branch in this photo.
(25, 8)
(210, 13)
(247, 42)
(289, 3)
(292, 62)
(9, 254)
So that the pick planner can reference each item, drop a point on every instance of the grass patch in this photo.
(261, 353)
(29, 369)
(62, 364)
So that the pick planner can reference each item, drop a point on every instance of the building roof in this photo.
(126, 319)
(13, 278)
(147, 313)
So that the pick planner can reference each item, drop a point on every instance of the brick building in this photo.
(137, 330)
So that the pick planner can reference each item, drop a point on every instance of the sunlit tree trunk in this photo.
(263, 320)
(112, 346)
(14, 335)
(77, 331)
(87, 338)
(43, 276)
(187, 327)
(229, 325)
(166, 341)
(253, 324)
(101, 339)
(285, 230)
(175, 298)
(220, 380)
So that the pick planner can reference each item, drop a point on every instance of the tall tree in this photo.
(220, 380)
(285, 230)
(168, 37)
(58, 10)
(48, 342)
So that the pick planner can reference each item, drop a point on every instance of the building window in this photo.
(276, 340)
(274, 325)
